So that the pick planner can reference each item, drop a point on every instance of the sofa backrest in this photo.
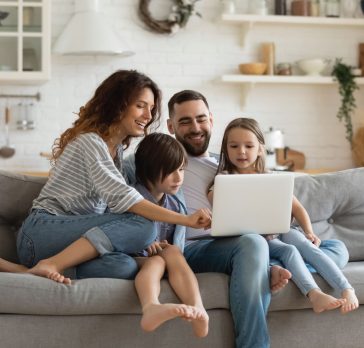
(17, 192)
(334, 201)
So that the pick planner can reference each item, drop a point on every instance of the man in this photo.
(245, 258)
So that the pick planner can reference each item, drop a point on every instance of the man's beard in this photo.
(194, 150)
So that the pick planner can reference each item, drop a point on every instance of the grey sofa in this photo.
(36, 312)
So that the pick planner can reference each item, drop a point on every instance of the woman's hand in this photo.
(200, 219)
(156, 247)
(313, 238)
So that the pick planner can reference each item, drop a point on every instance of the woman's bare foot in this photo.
(323, 302)
(200, 323)
(351, 303)
(7, 266)
(47, 269)
(155, 315)
(279, 277)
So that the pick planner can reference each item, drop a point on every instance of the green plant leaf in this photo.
(347, 86)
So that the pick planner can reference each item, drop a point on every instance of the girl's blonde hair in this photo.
(245, 123)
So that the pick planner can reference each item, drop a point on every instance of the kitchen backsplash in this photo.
(196, 58)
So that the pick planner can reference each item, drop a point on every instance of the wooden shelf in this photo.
(275, 79)
(248, 20)
(248, 82)
(269, 19)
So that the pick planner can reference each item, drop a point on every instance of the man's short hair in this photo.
(183, 96)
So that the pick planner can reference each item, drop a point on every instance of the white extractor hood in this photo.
(89, 33)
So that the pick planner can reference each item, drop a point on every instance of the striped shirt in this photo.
(86, 180)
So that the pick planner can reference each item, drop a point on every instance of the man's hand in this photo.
(156, 247)
(200, 219)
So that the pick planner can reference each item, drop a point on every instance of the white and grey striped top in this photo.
(86, 180)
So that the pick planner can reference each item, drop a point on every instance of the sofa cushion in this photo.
(335, 203)
(290, 298)
(17, 192)
(28, 294)
(7, 242)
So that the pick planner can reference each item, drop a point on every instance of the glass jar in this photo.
(259, 7)
(300, 7)
(332, 8)
(315, 8)
(284, 69)
(280, 7)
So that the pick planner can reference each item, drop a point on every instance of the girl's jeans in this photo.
(293, 249)
(115, 237)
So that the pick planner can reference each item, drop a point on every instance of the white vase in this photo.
(348, 8)
(228, 6)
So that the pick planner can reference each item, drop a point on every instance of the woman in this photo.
(86, 214)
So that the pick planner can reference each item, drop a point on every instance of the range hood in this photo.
(89, 33)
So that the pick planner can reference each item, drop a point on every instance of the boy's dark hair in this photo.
(183, 96)
(157, 156)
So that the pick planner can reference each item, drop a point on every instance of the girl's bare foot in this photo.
(7, 266)
(155, 315)
(279, 277)
(47, 269)
(351, 303)
(200, 323)
(324, 302)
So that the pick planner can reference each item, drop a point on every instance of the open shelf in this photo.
(252, 79)
(270, 19)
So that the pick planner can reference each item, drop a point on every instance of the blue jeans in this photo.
(293, 249)
(114, 236)
(246, 260)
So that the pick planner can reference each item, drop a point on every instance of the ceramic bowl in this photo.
(312, 67)
(252, 68)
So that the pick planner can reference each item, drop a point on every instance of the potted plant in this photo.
(347, 86)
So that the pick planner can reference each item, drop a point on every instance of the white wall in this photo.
(195, 58)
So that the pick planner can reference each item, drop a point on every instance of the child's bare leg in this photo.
(147, 284)
(76, 253)
(7, 266)
(351, 303)
(323, 302)
(279, 277)
(184, 283)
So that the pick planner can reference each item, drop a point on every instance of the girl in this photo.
(159, 163)
(242, 152)
(87, 214)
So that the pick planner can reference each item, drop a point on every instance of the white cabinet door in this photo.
(24, 41)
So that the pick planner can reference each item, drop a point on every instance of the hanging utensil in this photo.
(7, 150)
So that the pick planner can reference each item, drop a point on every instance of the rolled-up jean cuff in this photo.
(99, 240)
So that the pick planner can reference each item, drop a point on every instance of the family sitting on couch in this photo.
(89, 216)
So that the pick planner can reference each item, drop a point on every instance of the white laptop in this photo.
(251, 203)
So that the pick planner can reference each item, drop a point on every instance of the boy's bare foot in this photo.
(351, 303)
(279, 277)
(7, 266)
(323, 302)
(155, 315)
(47, 269)
(200, 323)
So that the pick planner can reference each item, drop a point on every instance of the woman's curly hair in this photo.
(103, 112)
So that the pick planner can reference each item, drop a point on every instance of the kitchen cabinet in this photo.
(25, 41)
(248, 21)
